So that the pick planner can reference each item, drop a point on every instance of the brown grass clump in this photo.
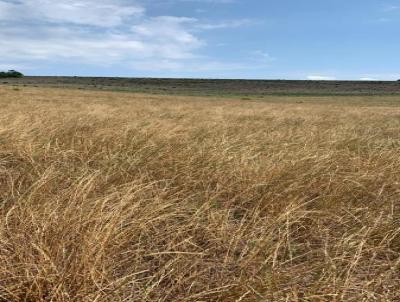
(127, 197)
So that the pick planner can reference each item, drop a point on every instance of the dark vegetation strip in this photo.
(220, 88)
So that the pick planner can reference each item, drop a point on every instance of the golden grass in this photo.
(127, 197)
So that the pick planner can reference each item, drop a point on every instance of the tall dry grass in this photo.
(123, 197)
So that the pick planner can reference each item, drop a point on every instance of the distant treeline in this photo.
(11, 74)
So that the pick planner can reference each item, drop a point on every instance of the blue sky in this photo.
(285, 39)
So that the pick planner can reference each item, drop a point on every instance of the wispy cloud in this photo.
(391, 8)
(227, 24)
(262, 56)
(388, 11)
(104, 13)
(104, 32)
(170, 41)
(112, 34)
(380, 77)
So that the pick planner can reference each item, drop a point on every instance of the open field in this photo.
(111, 196)
(243, 88)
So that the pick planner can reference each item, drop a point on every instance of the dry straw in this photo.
(126, 197)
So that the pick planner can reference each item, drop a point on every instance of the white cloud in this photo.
(64, 43)
(103, 33)
(91, 31)
(103, 13)
(169, 36)
(320, 78)
(91, 47)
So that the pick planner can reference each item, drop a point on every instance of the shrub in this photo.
(11, 74)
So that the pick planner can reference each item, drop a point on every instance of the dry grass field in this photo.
(126, 197)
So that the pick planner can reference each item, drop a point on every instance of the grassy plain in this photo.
(214, 87)
(130, 197)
